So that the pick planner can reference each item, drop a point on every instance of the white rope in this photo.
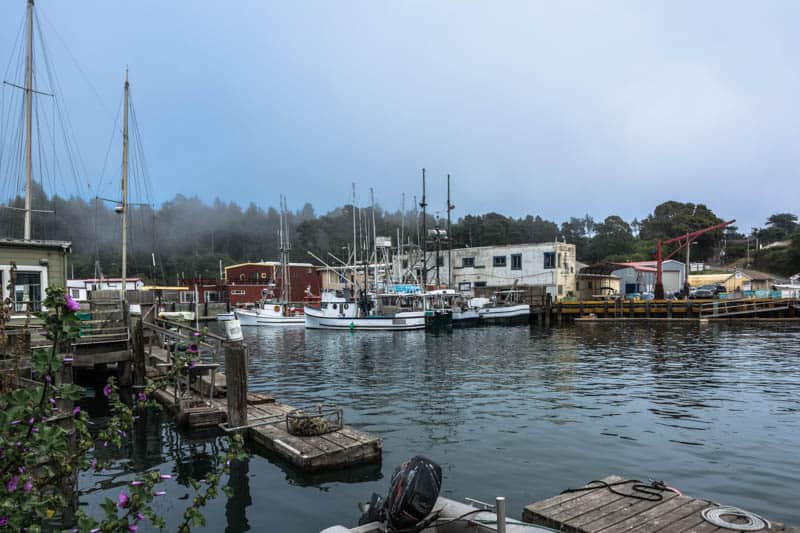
(714, 515)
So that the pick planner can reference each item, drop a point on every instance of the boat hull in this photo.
(507, 314)
(316, 319)
(466, 319)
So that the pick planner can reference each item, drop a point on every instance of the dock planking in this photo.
(600, 510)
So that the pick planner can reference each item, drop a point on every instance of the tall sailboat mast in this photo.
(29, 123)
(424, 242)
(124, 211)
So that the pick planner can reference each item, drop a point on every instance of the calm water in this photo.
(713, 410)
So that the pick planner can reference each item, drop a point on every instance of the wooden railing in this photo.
(745, 306)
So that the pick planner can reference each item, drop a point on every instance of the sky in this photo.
(555, 109)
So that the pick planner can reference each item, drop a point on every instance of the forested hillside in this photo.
(187, 237)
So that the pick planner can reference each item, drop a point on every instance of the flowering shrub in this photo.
(44, 441)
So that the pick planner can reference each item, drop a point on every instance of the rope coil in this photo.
(714, 515)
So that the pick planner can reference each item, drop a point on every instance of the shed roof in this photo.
(31, 243)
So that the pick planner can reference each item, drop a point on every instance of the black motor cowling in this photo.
(413, 490)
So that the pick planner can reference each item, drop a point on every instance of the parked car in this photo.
(716, 289)
(702, 293)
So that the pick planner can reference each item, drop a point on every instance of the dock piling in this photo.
(236, 383)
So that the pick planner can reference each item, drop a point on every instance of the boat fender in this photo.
(276, 308)
(347, 306)
(241, 277)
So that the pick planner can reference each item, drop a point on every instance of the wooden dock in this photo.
(627, 509)
(260, 418)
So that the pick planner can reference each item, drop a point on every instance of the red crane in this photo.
(684, 241)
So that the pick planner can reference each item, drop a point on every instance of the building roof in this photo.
(757, 275)
(269, 263)
(163, 288)
(510, 246)
(646, 266)
(32, 243)
(109, 280)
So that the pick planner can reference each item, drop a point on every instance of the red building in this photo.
(250, 282)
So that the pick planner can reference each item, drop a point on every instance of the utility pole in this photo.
(374, 235)
(450, 207)
(424, 241)
(29, 123)
(124, 211)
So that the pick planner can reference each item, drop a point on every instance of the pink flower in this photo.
(28, 486)
(192, 363)
(137, 483)
(142, 397)
(71, 305)
(159, 493)
(140, 517)
(133, 528)
(196, 333)
(165, 476)
(192, 348)
(94, 463)
(3, 521)
(11, 486)
(107, 390)
(76, 410)
(122, 500)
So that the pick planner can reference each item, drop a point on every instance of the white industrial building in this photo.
(549, 266)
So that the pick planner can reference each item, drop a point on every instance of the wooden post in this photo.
(236, 383)
(139, 367)
(580, 311)
(647, 308)
(605, 309)
(669, 308)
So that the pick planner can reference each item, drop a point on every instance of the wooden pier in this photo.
(676, 310)
(210, 399)
(630, 507)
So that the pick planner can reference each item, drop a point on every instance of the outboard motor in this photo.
(413, 491)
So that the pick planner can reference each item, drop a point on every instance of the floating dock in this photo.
(266, 425)
(630, 507)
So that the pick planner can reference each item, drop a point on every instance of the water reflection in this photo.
(519, 411)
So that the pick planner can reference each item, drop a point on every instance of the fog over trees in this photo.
(186, 237)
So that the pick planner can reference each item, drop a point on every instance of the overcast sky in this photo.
(546, 108)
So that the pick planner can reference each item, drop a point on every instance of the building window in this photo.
(516, 261)
(560, 290)
(237, 292)
(467, 262)
(186, 297)
(405, 263)
(499, 261)
(464, 286)
(211, 296)
(75, 293)
(479, 284)
(549, 260)
(28, 290)
(440, 261)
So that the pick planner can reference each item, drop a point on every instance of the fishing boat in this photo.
(225, 317)
(505, 307)
(271, 311)
(463, 312)
(382, 312)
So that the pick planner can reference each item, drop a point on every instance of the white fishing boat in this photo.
(504, 307)
(225, 317)
(270, 314)
(384, 312)
(463, 312)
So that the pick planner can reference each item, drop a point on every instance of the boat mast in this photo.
(124, 211)
(286, 286)
(450, 207)
(374, 235)
(424, 241)
(29, 122)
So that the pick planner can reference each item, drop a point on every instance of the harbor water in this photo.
(712, 409)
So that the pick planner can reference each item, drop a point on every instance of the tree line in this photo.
(186, 237)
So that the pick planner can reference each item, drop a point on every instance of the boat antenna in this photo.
(450, 207)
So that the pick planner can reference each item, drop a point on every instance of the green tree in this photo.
(613, 238)
(673, 219)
